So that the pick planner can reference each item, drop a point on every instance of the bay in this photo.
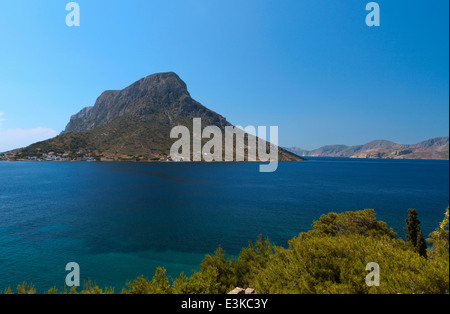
(122, 220)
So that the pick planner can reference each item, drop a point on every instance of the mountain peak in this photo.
(168, 79)
(147, 95)
(160, 84)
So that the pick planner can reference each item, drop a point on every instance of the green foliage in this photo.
(91, 288)
(414, 235)
(412, 226)
(439, 238)
(158, 285)
(26, 288)
(421, 245)
(251, 260)
(221, 267)
(360, 222)
(203, 282)
(336, 264)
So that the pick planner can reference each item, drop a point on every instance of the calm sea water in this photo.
(122, 220)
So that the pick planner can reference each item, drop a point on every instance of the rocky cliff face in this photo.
(440, 144)
(159, 93)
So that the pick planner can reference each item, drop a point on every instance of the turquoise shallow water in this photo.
(122, 220)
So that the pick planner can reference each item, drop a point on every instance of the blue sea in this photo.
(122, 220)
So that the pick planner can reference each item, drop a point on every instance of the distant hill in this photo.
(133, 123)
(439, 144)
(437, 148)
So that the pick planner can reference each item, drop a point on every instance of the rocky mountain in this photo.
(163, 97)
(440, 144)
(437, 148)
(133, 123)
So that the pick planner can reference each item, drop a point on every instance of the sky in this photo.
(313, 68)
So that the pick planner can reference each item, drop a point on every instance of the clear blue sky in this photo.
(311, 67)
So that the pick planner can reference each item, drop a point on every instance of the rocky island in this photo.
(132, 124)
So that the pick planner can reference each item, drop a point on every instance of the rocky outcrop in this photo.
(162, 96)
(242, 291)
